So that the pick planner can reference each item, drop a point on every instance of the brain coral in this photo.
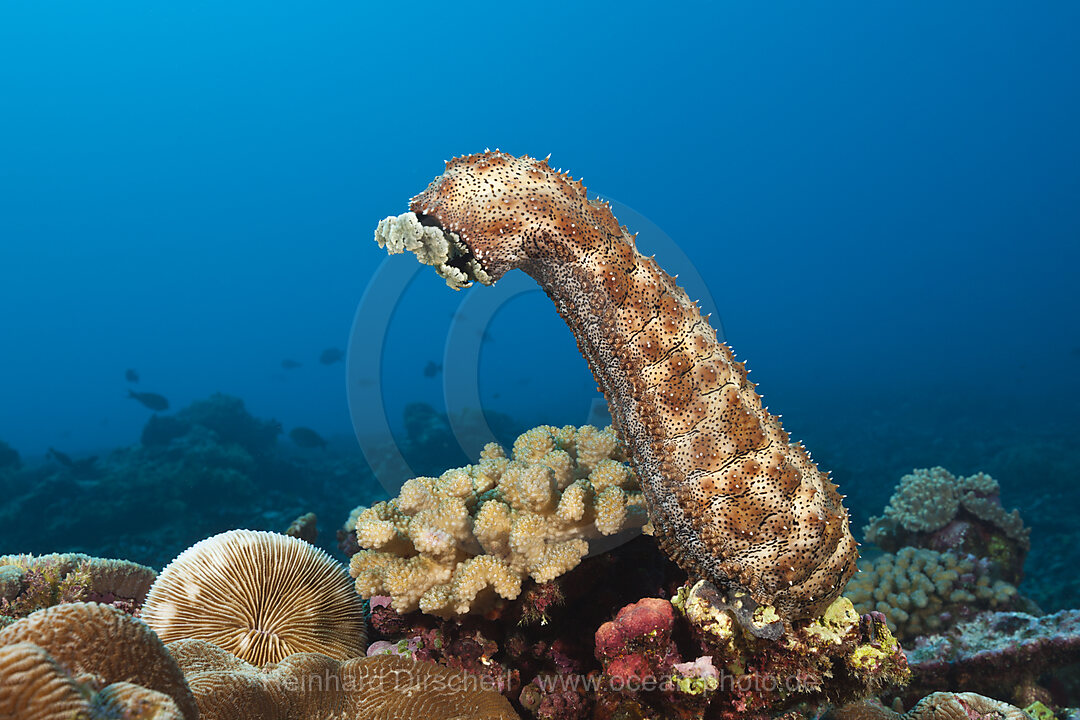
(308, 685)
(729, 497)
(449, 545)
(95, 646)
(920, 591)
(32, 684)
(259, 595)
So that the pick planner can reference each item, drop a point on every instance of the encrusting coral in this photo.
(731, 671)
(90, 647)
(933, 508)
(729, 497)
(29, 583)
(260, 595)
(1005, 654)
(309, 685)
(922, 591)
(450, 545)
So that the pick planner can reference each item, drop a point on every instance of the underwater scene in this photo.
(540, 362)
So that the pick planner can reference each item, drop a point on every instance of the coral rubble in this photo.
(729, 496)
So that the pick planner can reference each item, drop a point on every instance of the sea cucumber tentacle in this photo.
(730, 498)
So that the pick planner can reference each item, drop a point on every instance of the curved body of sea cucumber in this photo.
(729, 497)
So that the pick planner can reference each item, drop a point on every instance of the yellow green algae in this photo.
(1039, 711)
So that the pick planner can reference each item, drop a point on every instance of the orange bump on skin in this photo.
(728, 497)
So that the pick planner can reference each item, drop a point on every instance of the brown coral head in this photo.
(261, 596)
(93, 645)
(502, 210)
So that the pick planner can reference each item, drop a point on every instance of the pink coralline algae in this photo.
(701, 657)
(636, 647)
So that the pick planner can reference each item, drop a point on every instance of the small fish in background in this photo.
(150, 400)
(432, 369)
(85, 466)
(131, 375)
(291, 364)
(330, 356)
(305, 437)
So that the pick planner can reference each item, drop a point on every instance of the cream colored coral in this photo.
(925, 500)
(928, 499)
(449, 545)
(432, 247)
(914, 587)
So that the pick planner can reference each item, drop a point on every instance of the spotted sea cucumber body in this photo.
(730, 498)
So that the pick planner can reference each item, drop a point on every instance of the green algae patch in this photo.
(836, 623)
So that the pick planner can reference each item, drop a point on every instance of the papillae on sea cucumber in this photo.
(730, 498)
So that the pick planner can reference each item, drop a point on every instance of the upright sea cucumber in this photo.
(730, 498)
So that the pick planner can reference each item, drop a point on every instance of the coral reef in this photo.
(538, 649)
(639, 657)
(304, 527)
(1002, 654)
(149, 502)
(9, 457)
(453, 544)
(836, 657)
(933, 508)
(308, 685)
(90, 660)
(938, 706)
(598, 657)
(33, 686)
(729, 497)
(260, 595)
(223, 415)
(923, 591)
(734, 667)
(29, 583)
(90, 646)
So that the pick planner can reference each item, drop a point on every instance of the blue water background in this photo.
(883, 200)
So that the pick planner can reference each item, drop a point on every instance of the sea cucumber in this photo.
(729, 497)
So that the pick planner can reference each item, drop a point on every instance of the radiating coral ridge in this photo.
(261, 596)
(451, 545)
(729, 497)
